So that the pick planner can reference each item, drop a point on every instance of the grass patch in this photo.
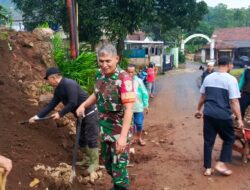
(236, 72)
(45, 88)
(43, 25)
(4, 35)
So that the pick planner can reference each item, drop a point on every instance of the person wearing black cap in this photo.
(71, 95)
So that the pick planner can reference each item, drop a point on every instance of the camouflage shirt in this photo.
(112, 93)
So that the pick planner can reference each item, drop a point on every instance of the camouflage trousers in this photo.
(116, 164)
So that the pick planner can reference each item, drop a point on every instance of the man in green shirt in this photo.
(141, 104)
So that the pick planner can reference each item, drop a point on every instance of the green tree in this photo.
(171, 19)
(123, 17)
(3, 13)
(155, 16)
(115, 19)
(90, 22)
(185, 14)
(5, 16)
(36, 12)
(221, 16)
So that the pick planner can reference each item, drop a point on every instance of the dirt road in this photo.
(173, 156)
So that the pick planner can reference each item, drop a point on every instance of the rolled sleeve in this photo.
(233, 89)
(202, 89)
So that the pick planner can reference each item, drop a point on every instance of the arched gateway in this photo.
(211, 41)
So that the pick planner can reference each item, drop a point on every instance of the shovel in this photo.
(78, 132)
(40, 119)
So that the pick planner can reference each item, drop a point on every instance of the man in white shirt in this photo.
(219, 95)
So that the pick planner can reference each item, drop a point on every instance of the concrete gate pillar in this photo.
(182, 46)
(203, 55)
(212, 50)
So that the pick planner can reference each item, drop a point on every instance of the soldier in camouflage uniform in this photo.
(115, 97)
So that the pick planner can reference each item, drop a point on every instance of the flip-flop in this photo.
(225, 172)
(142, 142)
(208, 172)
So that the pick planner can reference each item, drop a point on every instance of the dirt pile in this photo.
(31, 54)
(61, 175)
(22, 89)
(22, 66)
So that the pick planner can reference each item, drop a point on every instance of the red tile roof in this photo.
(230, 38)
(232, 34)
(138, 35)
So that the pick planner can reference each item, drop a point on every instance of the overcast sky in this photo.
(229, 3)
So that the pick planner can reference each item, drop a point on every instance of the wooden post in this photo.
(73, 28)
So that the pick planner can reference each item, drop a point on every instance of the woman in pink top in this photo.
(150, 80)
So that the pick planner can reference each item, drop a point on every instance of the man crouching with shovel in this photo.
(71, 95)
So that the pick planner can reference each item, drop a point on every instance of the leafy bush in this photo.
(84, 47)
(44, 88)
(4, 35)
(82, 69)
(124, 63)
(182, 58)
(5, 16)
(237, 73)
(43, 25)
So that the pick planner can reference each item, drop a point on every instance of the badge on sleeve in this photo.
(128, 85)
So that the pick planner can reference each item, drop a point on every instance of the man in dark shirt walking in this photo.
(71, 95)
(219, 95)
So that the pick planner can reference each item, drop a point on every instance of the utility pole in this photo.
(77, 27)
(73, 32)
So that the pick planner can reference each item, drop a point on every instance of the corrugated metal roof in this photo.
(240, 44)
(220, 45)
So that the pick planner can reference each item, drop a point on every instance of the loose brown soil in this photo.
(26, 145)
(171, 159)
